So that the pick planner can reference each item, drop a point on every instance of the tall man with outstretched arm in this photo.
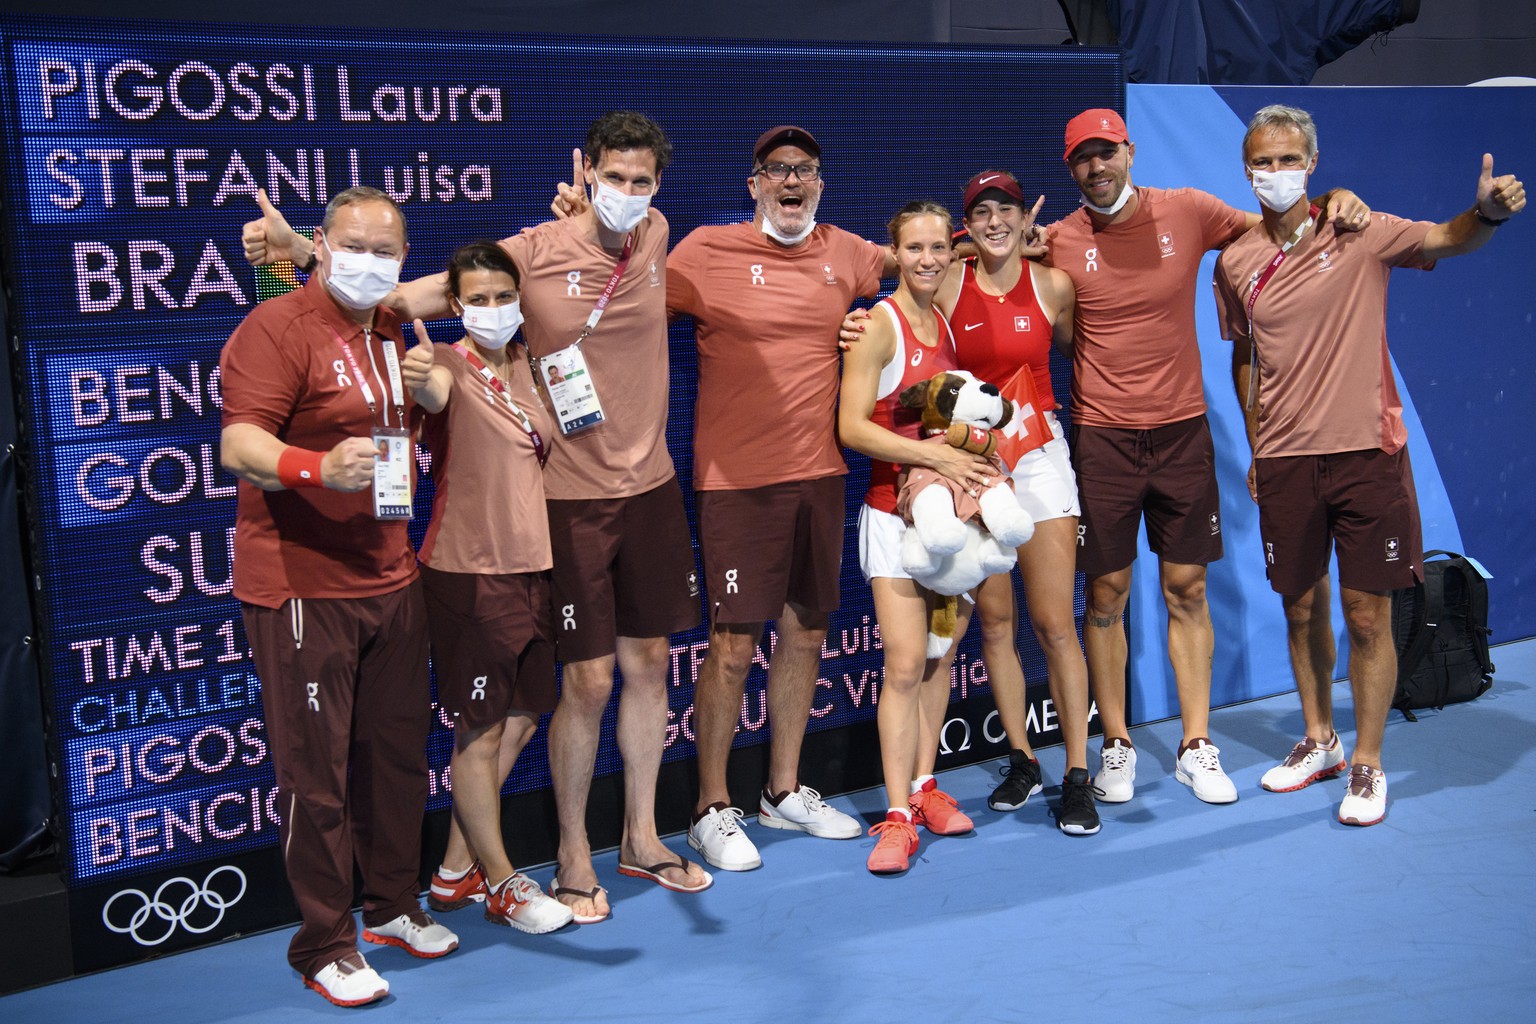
(316, 384)
(1141, 445)
(1305, 308)
(623, 577)
(766, 296)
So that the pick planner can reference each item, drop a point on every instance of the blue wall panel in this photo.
(1460, 336)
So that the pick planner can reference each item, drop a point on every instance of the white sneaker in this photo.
(349, 982)
(803, 810)
(1199, 768)
(1365, 802)
(416, 933)
(1116, 781)
(522, 904)
(719, 839)
(1305, 764)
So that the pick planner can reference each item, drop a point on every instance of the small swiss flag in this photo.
(1029, 428)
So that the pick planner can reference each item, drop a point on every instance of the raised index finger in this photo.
(576, 167)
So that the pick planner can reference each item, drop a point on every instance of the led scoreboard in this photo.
(133, 156)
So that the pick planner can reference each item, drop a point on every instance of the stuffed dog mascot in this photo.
(957, 538)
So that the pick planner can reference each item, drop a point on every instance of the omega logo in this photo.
(965, 736)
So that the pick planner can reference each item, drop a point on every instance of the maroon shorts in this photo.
(1167, 474)
(623, 567)
(493, 644)
(1363, 502)
(770, 545)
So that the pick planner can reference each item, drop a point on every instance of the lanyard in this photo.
(391, 363)
(495, 383)
(613, 282)
(1253, 297)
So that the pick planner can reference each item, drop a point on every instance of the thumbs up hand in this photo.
(416, 367)
(269, 239)
(1498, 198)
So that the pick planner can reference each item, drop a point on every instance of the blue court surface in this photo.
(1264, 910)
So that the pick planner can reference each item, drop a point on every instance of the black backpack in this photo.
(1441, 630)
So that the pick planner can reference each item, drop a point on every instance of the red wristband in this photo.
(299, 467)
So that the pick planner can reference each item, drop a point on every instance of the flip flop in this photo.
(557, 890)
(654, 873)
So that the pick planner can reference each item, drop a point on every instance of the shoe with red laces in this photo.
(938, 812)
(895, 844)
(459, 893)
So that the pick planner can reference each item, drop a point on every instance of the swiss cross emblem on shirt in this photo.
(1165, 243)
(1392, 549)
(1021, 323)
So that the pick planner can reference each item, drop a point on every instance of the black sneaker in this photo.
(1077, 816)
(1021, 780)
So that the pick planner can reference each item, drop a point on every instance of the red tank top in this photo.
(997, 334)
(918, 363)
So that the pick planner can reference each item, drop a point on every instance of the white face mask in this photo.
(1280, 190)
(1116, 206)
(493, 326)
(360, 280)
(618, 212)
(783, 239)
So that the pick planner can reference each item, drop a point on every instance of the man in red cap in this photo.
(766, 296)
(1141, 447)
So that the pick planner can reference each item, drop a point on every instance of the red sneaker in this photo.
(938, 812)
(895, 846)
(445, 895)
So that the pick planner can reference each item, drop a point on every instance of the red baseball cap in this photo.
(988, 181)
(1098, 123)
(786, 135)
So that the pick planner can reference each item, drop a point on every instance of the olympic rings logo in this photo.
(169, 914)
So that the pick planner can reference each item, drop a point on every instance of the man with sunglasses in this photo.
(766, 296)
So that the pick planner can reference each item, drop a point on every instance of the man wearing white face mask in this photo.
(314, 386)
(594, 294)
(1306, 309)
(1141, 445)
(766, 296)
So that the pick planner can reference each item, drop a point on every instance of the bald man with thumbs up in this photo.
(317, 388)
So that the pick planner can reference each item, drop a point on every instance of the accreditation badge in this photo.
(391, 473)
(571, 391)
